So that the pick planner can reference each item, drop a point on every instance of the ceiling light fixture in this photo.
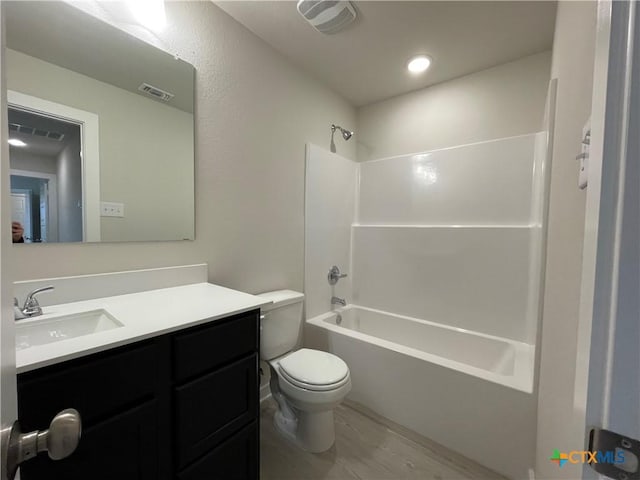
(14, 142)
(149, 13)
(419, 63)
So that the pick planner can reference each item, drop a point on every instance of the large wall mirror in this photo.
(100, 130)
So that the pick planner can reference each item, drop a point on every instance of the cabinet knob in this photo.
(59, 440)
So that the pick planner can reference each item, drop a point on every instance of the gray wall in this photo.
(21, 160)
(70, 193)
(254, 114)
(502, 101)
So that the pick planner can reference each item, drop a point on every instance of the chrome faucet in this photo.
(338, 301)
(31, 306)
(334, 275)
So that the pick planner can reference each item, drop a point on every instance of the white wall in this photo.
(573, 58)
(487, 183)
(450, 236)
(254, 114)
(502, 101)
(330, 207)
(137, 135)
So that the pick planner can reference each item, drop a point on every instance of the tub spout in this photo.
(338, 301)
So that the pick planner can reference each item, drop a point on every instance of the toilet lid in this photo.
(313, 367)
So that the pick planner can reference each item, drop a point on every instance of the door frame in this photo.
(604, 288)
(89, 152)
(8, 380)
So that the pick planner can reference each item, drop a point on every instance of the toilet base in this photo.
(285, 426)
(312, 431)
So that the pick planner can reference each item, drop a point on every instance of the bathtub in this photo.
(468, 391)
(495, 359)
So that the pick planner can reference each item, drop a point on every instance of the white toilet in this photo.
(307, 384)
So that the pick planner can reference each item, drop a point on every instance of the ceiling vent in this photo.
(327, 16)
(156, 92)
(36, 132)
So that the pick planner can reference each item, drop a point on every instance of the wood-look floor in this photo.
(364, 450)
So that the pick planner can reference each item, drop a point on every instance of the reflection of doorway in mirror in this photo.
(42, 214)
(46, 152)
(55, 139)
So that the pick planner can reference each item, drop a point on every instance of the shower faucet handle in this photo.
(334, 275)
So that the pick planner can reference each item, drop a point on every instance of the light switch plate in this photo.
(111, 209)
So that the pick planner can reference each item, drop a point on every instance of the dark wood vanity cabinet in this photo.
(179, 406)
(122, 396)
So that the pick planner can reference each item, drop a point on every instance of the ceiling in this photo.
(366, 62)
(39, 145)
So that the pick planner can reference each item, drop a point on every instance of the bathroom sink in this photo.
(34, 332)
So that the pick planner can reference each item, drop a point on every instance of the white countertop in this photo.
(143, 315)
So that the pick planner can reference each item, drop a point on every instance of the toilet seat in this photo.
(312, 387)
(314, 370)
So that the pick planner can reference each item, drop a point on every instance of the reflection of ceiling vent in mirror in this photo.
(327, 16)
(36, 132)
(55, 136)
(156, 92)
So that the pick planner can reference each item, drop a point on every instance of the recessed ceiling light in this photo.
(17, 143)
(419, 64)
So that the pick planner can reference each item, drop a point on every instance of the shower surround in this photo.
(444, 255)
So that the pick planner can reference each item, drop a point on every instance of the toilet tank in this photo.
(280, 323)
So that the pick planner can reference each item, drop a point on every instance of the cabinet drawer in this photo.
(96, 386)
(203, 348)
(123, 447)
(211, 408)
(236, 459)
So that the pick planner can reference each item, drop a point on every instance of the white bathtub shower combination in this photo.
(443, 251)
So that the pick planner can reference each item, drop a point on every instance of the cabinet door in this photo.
(211, 408)
(235, 459)
(123, 447)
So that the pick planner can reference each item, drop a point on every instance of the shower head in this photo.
(346, 134)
